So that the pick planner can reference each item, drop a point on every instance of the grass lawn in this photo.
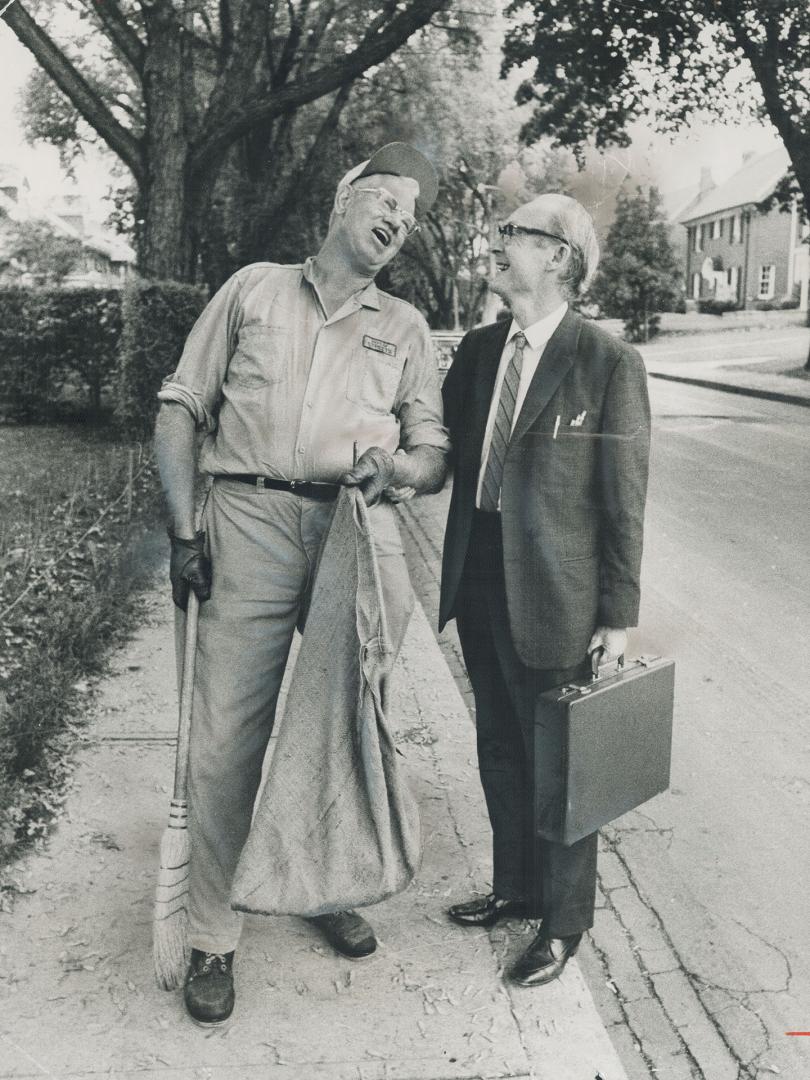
(53, 479)
(74, 552)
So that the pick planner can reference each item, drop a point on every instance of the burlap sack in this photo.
(336, 826)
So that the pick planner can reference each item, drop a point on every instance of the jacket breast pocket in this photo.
(260, 355)
(373, 380)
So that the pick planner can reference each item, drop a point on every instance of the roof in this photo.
(676, 202)
(750, 184)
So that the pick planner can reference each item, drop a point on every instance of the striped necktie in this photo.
(502, 429)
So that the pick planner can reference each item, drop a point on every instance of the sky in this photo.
(673, 165)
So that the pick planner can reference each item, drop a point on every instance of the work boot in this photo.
(347, 933)
(209, 993)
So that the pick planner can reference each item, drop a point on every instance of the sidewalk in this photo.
(740, 375)
(77, 992)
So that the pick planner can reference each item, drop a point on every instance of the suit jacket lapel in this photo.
(558, 356)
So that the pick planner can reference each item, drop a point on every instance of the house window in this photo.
(716, 229)
(696, 238)
(735, 229)
(767, 281)
(695, 286)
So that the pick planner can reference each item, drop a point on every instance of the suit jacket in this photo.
(572, 507)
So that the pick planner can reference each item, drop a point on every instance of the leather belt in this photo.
(308, 489)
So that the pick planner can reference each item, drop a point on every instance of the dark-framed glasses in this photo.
(390, 205)
(509, 230)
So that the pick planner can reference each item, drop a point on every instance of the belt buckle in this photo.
(260, 483)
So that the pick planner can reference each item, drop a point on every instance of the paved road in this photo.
(720, 862)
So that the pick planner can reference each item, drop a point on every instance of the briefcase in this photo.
(602, 747)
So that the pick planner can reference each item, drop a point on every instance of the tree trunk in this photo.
(166, 249)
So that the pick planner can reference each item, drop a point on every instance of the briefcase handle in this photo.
(596, 656)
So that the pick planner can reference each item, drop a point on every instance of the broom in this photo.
(170, 926)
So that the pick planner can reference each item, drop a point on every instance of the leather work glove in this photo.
(373, 473)
(189, 568)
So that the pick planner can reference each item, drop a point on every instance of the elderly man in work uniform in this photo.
(287, 370)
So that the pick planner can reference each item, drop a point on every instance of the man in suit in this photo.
(549, 420)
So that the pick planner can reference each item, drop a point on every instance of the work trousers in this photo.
(558, 882)
(264, 547)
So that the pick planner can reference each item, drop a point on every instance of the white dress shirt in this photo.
(537, 336)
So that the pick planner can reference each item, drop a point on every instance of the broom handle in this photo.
(186, 698)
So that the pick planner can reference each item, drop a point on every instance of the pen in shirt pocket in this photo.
(556, 426)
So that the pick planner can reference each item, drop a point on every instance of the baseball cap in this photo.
(400, 159)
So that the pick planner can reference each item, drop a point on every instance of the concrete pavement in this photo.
(753, 364)
(77, 992)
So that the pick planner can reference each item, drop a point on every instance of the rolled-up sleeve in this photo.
(197, 382)
(419, 408)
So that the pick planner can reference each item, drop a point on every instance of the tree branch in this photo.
(240, 115)
(303, 175)
(765, 66)
(235, 78)
(120, 32)
(74, 85)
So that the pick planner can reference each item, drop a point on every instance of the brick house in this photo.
(736, 252)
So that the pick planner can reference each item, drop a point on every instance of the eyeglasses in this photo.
(391, 206)
(509, 230)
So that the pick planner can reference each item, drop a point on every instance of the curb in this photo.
(730, 388)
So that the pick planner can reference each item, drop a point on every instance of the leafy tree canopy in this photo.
(173, 88)
(600, 64)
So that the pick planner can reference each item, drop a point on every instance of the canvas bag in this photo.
(336, 826)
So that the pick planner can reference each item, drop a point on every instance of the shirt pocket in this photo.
(260, 355)
(373, 380)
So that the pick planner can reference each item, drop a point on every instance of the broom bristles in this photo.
(170, 925)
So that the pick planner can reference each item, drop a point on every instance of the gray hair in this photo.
(570, 220)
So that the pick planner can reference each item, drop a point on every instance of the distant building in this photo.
(106, 259)
(738, 253)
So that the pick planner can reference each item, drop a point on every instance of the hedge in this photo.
(57, 349)
(710, 306)
(157, 316)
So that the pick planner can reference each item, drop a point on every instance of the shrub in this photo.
(79, 331)
(23, 365)
(157, 316)
(57, 346)
(717, 307)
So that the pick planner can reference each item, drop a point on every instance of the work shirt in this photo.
(537, 337)
(283, 391)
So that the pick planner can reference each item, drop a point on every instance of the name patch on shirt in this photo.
(376, 345)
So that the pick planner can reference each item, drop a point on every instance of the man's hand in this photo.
(373, 473)
(610, 638)
(189, 568)
(399, 494)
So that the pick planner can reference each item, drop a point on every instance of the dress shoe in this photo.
(544, 960)
(488, 910)
(347, 933)
(209, 993)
